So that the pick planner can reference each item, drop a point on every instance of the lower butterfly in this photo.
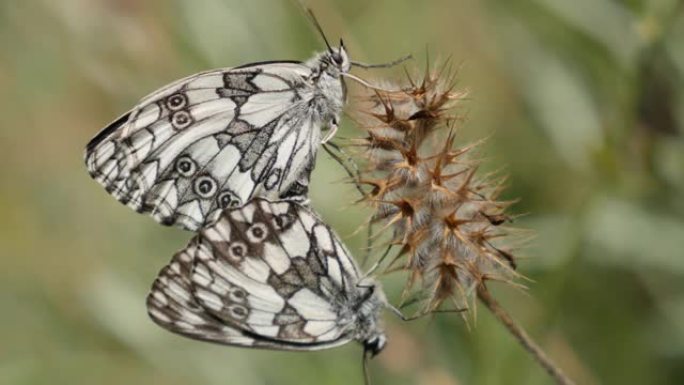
(268, 275)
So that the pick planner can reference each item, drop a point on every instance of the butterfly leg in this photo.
(422, 314)
(331, 130)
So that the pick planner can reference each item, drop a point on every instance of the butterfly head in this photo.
(375, 344)
(333, 62)
(338, 58)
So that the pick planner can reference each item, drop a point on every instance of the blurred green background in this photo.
(583, 101)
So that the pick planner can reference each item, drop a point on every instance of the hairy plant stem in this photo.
(521, 335)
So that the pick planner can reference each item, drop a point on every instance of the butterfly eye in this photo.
(205, 186)
(337, 58)
(257, 232)
(186, 166)
(375, 344)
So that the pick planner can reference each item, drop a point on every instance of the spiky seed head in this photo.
(442, 213)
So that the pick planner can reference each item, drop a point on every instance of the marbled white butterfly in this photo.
(216, 139)
(268, 275)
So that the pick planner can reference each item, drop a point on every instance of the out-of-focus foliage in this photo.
(583, 102)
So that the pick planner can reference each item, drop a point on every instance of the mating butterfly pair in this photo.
(228, 153)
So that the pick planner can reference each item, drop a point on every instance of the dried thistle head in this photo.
(444, 215)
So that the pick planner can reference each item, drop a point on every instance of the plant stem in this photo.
(521, 335)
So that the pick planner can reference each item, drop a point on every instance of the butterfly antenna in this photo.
(366, 373)
(320, 30)
(377, 264)
(369, 245)
(422, 314)
(382, 65)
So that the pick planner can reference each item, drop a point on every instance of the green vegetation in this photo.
(584, 105)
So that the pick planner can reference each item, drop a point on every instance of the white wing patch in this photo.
(311, 306)
(277, 258)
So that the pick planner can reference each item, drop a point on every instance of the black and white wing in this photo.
(210, 141)
(269, 275)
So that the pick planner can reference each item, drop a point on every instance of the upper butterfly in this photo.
(218, 138)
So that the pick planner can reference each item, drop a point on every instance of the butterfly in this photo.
(219, 138)
(269, 275)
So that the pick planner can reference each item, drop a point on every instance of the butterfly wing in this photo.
(270, 272)
(209, 141)
(171, 305)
